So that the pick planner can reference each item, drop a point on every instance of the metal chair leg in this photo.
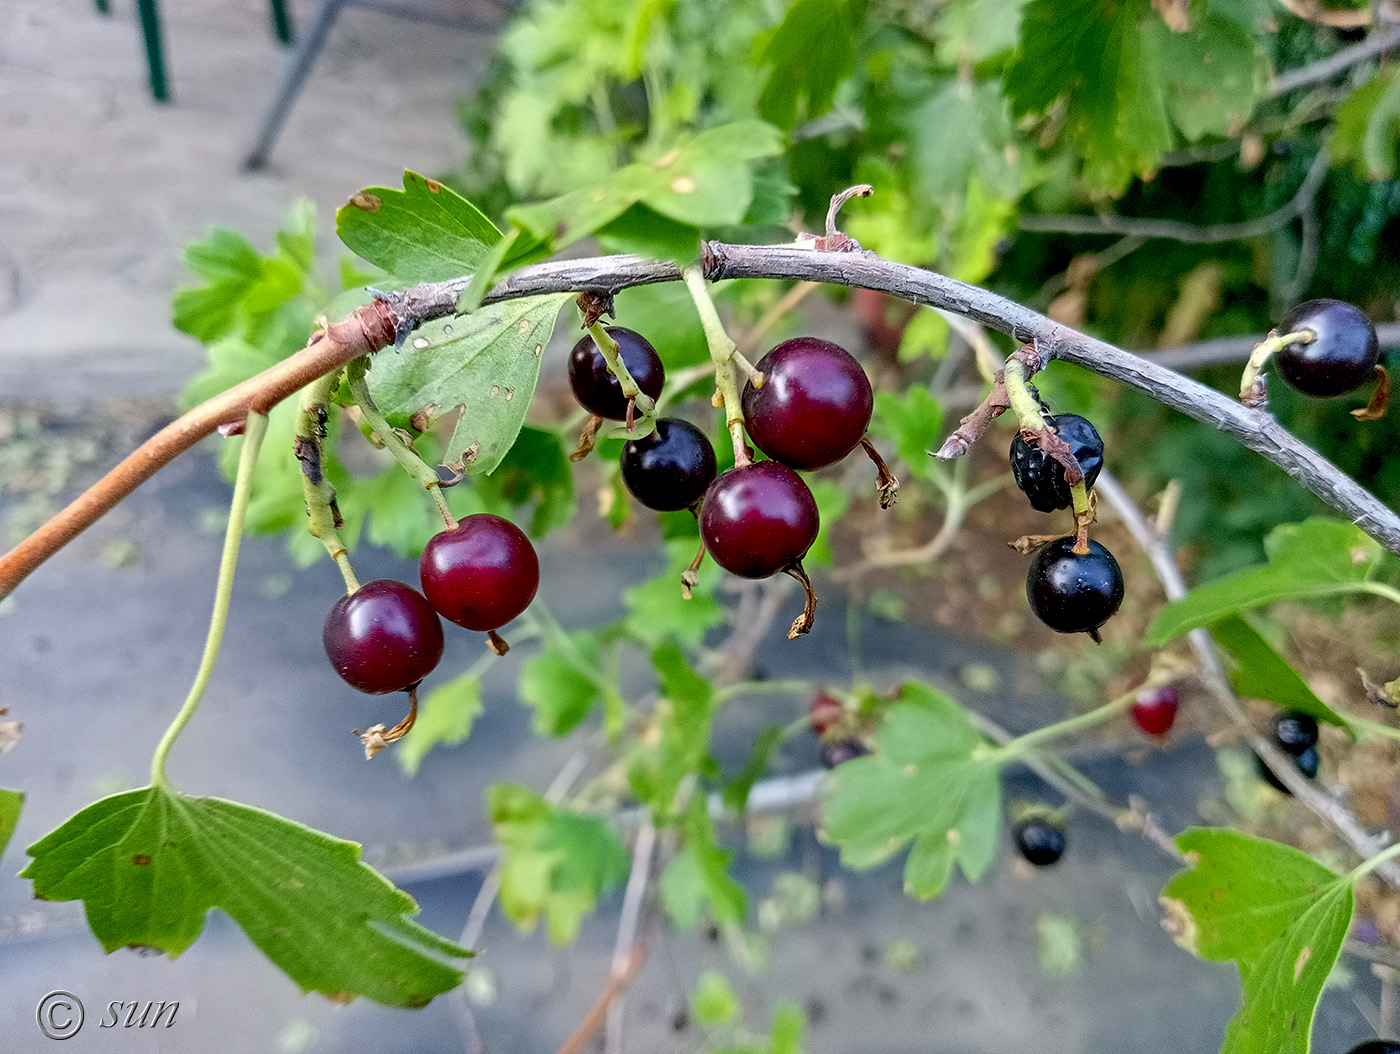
(298, 66)
(155, 54)
(281, 21)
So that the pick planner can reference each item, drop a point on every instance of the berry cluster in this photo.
(386, 636)
(1295, 733)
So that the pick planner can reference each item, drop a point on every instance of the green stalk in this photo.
(1032, 740)
(318, 492)
(1023, 403)
(253, 432)
(612, 355)
(1367, 866)
(724, 354)
(1263, 351)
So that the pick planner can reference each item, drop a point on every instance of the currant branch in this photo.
(373, 327)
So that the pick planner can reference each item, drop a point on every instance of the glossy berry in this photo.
(384, 637)
(758, 520)
(825, 712)
(671, 468)
(597, 390)
(1307, 762)
(1040, 841)
(839, 753)
(1154, 710)
(1294, 731)
(1376, 1046)
(481, 574)
(1071, 593)
(1340, 358)
(1041, 477)
(814, 406)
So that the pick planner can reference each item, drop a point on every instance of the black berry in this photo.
(1295, 731)
(1040, 841)
(1340, 358)
(758, 519)
(481, 574)
(1154, 710)
(384, 637)
(597, 390)
(1041, 477)
(1376, 1046)
(814, 406)
(671, 468)
(839, 753)
(1071, 593)
(1307, 762)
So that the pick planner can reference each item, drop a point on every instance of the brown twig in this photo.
(617, 984)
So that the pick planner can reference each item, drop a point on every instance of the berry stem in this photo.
(1023, 403)
(253, 433)
(887, 483)
(377, 737)
(319, 492)
(803, 623)
(403, 453)
(1252, 390)
(722, 354)
(612, 355)
(1367, 866)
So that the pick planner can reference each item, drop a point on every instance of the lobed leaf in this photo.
(149, 865)
(446, 717)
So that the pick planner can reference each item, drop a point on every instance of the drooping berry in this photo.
(814, 406)
(839, 753)
(1294, 731)
(1307, 762)
(481, 574)
(671, 468)
(1154, 710)
(384, 637)
(597, 390)
(1041, 842)
(825, 712)
(759, 519)
(1340, 358)
(1041, 477)
(1071, 593)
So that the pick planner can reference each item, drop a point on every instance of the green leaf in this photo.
(926, 783)
(556, 863)
(1262, 673)
(812, 51)
(423, 233)
(832, 503)
(913, 422)
(561, 684)
(535, 472)
(697, 878)
(682, 717)
(1316, 558)
(706, 181)
(657, 612)
(787, 1030)
(736, 792)
(1368, 128)
(446, 716)
(1279, 915)
(714, 1001)
(1216, 75)
(485, 364)
(976, 140)
(10, 804)
(149, 864)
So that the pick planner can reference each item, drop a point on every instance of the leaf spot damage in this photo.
(667, 159)
(1303, 957)
(368, 202)
(1180, 924)
(141, 860)
(434, 186)
(684, 185)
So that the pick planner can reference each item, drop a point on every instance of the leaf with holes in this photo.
(485, 364)
(927, 782)
(1279, 915)
(149, 865)
(423, 233)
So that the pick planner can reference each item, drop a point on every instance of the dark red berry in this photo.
(839, 753)
(1340, 358)
(1071, 593)
(826, 712)
(1041, 477)
(814, 406)
(1376, 1046)
(758, 520)
(597, 390)
(384, 637)
(1154, 710)
(481, 574)
(1040, 841)
(1307, 763)
(1294, 731)
(671, 468)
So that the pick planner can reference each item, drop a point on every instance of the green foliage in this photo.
(714, 1001)
(1277, 914)
(563, 683)
(811, 52)
(1262, 673)
(1317, 558)
(557, 862)
(446, 716)
(149, 864)
(697, 879)
(1368, 128)
(932, 780)
(682, 721)
(658, 614)
(912, 421)
(10, 804)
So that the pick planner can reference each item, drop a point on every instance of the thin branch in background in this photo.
(1377, 44)
(627, 938)
(616, 986)
(775, 314)
(1323, 805)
